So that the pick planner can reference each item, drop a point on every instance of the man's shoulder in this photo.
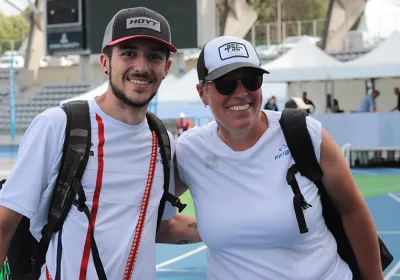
(54, 117)
(54, 112)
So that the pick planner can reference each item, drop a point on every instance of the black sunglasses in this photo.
(227, 84)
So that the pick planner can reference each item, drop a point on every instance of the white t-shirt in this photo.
(244, 208)
(117, 170)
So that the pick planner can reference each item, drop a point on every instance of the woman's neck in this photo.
(241, 140)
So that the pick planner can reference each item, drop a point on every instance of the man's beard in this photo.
(122, 97)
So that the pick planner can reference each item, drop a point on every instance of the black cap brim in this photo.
(230, 67)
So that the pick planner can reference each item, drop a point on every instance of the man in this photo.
(308, 102)
(271, 104)
(182, 124)
(396, 91)
(136, 59)
(368, 103)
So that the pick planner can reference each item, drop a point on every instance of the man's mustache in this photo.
(144, 76)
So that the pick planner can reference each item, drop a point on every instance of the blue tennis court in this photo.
(381, 187)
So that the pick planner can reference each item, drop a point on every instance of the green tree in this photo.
(20, 26)
(292, 11)
(12, 28)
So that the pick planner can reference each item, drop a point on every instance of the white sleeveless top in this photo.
(244, 208)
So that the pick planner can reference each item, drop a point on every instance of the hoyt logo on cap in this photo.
(143, 22)
(138, 22)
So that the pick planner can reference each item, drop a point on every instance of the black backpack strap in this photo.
(298, 140)
(73, 163)
(299, 203)
(166, 155)
(294, 128)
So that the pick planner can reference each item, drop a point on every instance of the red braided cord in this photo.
(143, 210)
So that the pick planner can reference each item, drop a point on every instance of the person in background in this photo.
(271, 104)
(308, 102)
(368, 103)
(329, 105)
(182, 124)
(336, 108)
(396, 91)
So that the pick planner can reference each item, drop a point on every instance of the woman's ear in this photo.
(202, 93)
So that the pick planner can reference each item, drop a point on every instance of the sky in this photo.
(7, 9)
(382, 17)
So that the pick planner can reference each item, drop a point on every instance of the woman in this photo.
(244, 207)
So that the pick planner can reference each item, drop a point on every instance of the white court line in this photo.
(181, 257)
(379, 190)
(395, 197)
(389, 232)
(395, 268)
(393, 271)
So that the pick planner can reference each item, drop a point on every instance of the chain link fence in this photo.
(267, 33)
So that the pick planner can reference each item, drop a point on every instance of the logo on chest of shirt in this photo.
(283, 151)
(211, 162)
(91, 153)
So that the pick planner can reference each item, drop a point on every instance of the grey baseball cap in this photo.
(139, 22)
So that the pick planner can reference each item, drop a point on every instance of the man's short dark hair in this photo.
(108, 51)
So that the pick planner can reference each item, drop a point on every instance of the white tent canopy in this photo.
(182, 96)
(381, 62)
(165, 88)
(183, 89)
(90, 94)
(305, 62)
(387, 52)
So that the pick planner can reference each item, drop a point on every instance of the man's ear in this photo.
(168, 64)
(105, 63)
(202, 93)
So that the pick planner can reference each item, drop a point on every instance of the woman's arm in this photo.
(356, 218)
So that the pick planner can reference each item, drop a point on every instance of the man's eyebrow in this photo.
(127, 46)
(159, 49)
